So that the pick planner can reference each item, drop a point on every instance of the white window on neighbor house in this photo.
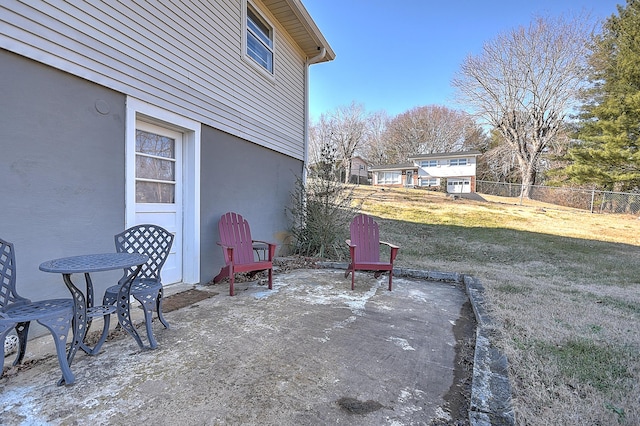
(429, 163)
(259, 39)
(458, 162)
(429, 182)
(389, 178)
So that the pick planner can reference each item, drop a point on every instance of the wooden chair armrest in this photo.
(228, 250)
(349, 243)
(394, 251)
(390, 245)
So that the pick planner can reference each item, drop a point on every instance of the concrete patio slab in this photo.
(308, 352)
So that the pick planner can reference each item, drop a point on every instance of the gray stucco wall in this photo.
(62, 176)
(245, 178)
(61, 171)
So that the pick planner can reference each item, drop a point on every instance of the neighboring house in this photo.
(359, 170)
(113, 114)
(394, 174)
(458, 169)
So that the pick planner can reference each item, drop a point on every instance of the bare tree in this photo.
(429, 129)
(319, 137)
(374, 147)
(347, 126)
(498, 163)
(524, 83)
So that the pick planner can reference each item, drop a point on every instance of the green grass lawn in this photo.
(563, 286)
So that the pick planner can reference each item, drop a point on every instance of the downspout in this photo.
(310, 61)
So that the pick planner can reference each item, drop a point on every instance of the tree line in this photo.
(556, 102)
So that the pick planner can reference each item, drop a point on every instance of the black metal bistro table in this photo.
(86, 264)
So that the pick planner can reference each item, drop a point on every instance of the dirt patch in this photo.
(10, 370)
(458, 399)
(354, 406)
(185, 298)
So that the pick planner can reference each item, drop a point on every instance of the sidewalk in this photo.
(308, 352)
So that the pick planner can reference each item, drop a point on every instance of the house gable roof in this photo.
(296, 20)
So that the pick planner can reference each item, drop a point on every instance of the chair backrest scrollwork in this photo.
(8, 294)
(152, 240)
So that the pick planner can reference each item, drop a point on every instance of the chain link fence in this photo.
(585, 199)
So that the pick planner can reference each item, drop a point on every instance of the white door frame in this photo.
(139, 110)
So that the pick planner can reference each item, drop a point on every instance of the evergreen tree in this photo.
(607, 152)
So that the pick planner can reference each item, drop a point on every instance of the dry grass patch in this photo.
(561, 283)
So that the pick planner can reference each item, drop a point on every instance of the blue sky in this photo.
(394, 55)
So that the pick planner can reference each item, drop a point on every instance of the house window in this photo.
(259, 39)
(389, 178)
(429, 182)
(429, 163)
(458, 162)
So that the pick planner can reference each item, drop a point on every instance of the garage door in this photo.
(459, 186)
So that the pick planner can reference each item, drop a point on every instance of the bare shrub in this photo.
(321, 210)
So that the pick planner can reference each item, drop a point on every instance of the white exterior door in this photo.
(158, 188)
(409, 179)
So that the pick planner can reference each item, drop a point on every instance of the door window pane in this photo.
(155, 192)
(157, 145)
(155, 168)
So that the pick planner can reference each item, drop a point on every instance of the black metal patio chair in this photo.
(155, 242)
(18, 312)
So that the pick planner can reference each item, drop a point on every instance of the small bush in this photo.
(321, 210)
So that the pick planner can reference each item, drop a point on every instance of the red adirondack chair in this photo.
(364, 247)
(241, 253)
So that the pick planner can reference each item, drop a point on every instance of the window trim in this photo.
(429, 163)
(246, 5)
(458, 161)
(389, 178)
(429, 181)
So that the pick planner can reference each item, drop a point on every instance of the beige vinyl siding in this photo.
(185, 56)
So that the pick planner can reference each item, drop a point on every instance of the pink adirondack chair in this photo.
(241, 253)
(364, 247)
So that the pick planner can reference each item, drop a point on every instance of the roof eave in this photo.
(393, 167)
(295, 18)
